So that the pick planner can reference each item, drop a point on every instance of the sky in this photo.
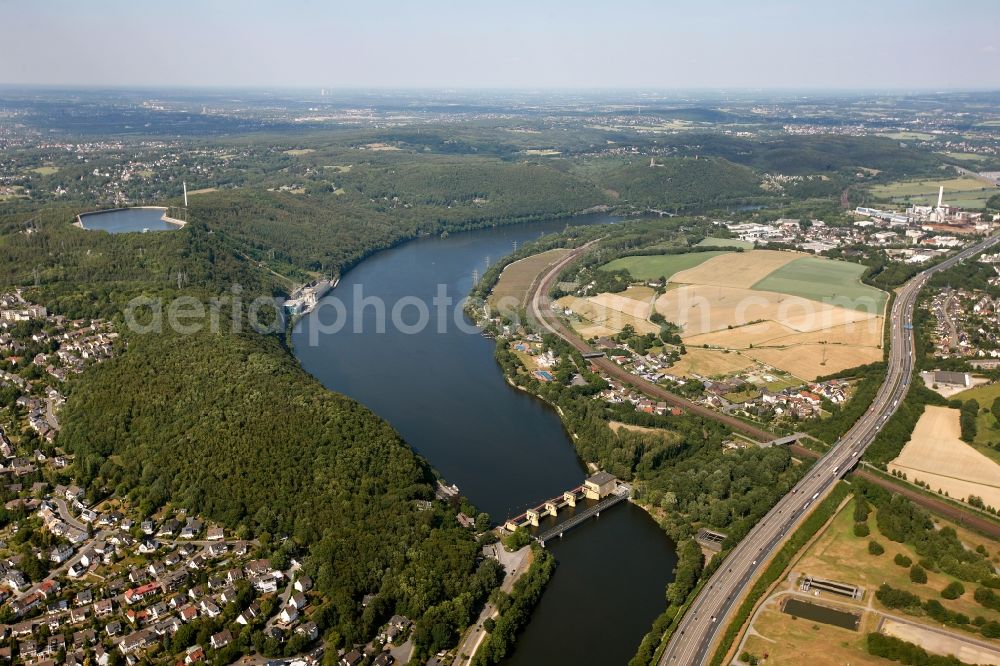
(665, 44)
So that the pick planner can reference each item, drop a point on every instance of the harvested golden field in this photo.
(737, 269)
(814, 360)
(936, 455)
(709, 363)
(863, 333)
(588, 331)
(511, 290)
(599, 314)
(702, 309)
(640, 293)
(742, 337)
(629, 306)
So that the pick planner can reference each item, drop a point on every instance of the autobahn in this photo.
(695, 636)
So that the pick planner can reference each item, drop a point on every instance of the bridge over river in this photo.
(602, 486)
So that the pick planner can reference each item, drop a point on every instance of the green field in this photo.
(966, 156)
(909, 136)
(987, 428)
(825, 280)
(714, 241)
(655, 266)
(964, 191)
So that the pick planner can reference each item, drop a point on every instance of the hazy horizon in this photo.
(634, 45)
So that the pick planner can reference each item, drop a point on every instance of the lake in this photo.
(127, 220)
(445, 394)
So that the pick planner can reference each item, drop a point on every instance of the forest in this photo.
(228, 425)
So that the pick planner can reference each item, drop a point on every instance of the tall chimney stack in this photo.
(184, 183)
(940, 196)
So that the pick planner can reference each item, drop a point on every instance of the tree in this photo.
(902, 560)
(995, 410)
(861, 529)
(875, 548)
(482, 522)
(917, 574)
(953, 590)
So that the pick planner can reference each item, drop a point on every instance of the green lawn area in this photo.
(742, 396)
(987, 431)
(655, 266)
(783, 383)
(825, 280)
(46, 170)
(713, 241)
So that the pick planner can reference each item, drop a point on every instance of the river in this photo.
(442, 390)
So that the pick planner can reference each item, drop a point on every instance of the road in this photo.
(67, 516)
(695, 636)
(540, 312)
(515, 565)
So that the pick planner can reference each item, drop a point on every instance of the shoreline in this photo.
(179, 224)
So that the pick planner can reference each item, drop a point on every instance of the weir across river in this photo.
(602, 486)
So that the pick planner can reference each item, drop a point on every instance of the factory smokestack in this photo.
(940, 196)
(184, 183)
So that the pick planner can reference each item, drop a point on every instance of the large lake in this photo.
(446, 395)
(126, 220)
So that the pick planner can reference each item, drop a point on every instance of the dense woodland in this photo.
(229, 426)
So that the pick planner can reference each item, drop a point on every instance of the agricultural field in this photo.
(653, 267)
(699, 309)
(975, 157)
(837, 554)
(713, 241)
(909, 136)
(739, 269)
(964, 191)
(599, 316)
(812, 361)
(936, 455)
(802, 315)
(639, 308)
(511, 290)
(827, 281)
(710, 363)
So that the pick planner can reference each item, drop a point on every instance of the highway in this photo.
(695, 636)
